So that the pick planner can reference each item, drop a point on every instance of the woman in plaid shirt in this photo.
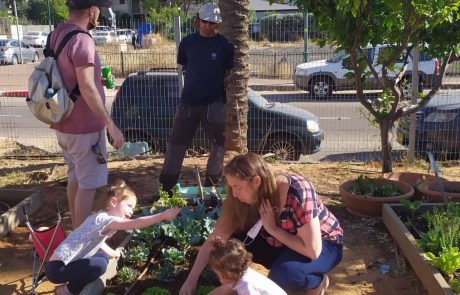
(300, 240)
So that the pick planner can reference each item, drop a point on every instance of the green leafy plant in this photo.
(138, 254)
(156, 291)
(448, 261)
(455, 284)
(204, 289)
(443, 229)
(174, 255)
(165, 272)
(411, 206)
(365, 186)
(126, 275)
(174, 201)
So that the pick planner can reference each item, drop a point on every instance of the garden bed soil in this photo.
(395, 217)
(367, 242)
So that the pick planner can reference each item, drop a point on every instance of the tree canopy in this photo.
(351, 25)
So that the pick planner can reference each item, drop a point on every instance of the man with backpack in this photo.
(81, 135)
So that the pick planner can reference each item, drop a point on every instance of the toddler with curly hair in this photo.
(231, 263)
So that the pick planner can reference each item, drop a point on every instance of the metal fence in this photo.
(278, 113)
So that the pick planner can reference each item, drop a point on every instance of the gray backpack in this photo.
(48, 99)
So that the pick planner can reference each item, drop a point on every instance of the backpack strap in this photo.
(48, 52)
(66, 39)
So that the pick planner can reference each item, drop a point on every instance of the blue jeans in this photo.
(292, 271)
(77, 274)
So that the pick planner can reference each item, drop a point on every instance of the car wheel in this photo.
(285, 148)
(36, 57)
(406, 87)
(14, 60)
(321, 87)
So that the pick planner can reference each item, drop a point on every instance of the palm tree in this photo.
(235, 15)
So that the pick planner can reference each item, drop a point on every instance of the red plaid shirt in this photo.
(302, 205)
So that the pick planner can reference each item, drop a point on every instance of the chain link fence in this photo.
(289, 96)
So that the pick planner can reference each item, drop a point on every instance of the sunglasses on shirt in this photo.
(97, 151)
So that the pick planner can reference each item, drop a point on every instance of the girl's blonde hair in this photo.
(229, 258)
(239, 216)
(119, 190)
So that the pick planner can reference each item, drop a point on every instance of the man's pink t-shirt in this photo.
(79, 51)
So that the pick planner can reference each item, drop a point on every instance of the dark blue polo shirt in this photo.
(205, 61)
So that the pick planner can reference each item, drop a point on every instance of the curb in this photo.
(14, 93)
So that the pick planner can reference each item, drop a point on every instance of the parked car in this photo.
(437, 127)
(322, 77)
(105, 37)
(35, 38)
(10, 52)
(145, 106)
(124, 35)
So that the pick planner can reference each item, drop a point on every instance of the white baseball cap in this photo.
(210, 12)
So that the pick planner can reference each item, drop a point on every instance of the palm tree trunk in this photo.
(235, 15)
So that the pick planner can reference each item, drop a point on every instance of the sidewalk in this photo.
(257, 84)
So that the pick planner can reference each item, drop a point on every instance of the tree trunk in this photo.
(235, 16)
(387, 163)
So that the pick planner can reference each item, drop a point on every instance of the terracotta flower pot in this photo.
(433, 194)
(369, 205)
(412, 178)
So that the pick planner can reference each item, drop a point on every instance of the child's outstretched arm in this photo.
(142, 222)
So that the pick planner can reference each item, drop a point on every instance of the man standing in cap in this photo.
(81, 136)
(207, 59)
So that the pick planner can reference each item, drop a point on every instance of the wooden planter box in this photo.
(430, 277)
(17, 199)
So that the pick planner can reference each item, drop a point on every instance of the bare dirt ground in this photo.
(367, 242)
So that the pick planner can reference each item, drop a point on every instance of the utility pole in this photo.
(17, 30)
(305, 35)
(49, 15)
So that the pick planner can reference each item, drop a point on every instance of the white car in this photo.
(125, 35)
(35, 38)
(105, 37)
(321, 77)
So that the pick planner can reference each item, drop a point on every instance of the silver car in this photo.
(9, 52)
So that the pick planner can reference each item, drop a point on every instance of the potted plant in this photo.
(413, 178)
(432, 193)
(365, 196)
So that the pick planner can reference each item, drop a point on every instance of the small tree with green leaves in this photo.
(351, 25)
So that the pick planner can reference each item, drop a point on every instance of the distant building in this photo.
(262, 7)
(130, 7)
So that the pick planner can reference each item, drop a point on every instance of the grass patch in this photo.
(14, 178)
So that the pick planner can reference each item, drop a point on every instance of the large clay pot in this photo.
(372, 206)
(432, 193)
(412, 178)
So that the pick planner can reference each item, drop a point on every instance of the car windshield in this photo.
(33, 33)
(102, 34)
(338, 57)
(3, 42)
